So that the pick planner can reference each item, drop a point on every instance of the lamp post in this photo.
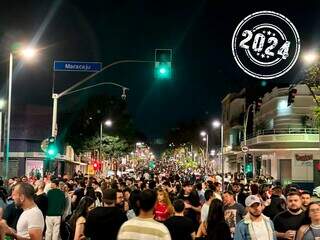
(2, 104)
(57, 96)
(205, 138)
(108, 123)
(217, 124)
(27, 53)
(70, 90)
(245, 126)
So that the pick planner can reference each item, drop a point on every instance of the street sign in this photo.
(74, 66)
(244, 149)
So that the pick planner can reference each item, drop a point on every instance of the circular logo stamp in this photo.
(265, 45)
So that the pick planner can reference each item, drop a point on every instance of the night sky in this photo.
(198, 31)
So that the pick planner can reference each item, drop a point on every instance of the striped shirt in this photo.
(143, 229)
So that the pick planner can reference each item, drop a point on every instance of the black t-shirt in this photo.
(180, 228)
(42, 203)
(193, 199)
(275, 207)
(104, 223)
(12, 215)
(285, 221)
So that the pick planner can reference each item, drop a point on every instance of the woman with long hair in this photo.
(163, 208)
(78, 218)
(311, 230)
(215, 228)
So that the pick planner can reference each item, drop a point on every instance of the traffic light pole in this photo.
(222, 158)
(70, 90)
(252, 105)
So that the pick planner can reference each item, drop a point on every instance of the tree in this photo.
(111, 147)
(312, 80)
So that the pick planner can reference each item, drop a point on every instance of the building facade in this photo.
(285, 143)
(30, 125)
(233, 109)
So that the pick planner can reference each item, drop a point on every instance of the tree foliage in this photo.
(111, 146)
(312, 79)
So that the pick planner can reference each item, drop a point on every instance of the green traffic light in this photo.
(52, 151)
(162, 70)
(249, 167)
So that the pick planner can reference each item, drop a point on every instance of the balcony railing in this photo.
(284, 131)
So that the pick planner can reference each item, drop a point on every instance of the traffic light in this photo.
(152, 165)
(95, 165)
(162, 64)
(248, 167)
(258, 104)
(291, 96)
(52, 149)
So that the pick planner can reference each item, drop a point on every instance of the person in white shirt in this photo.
(208, 195)
(255, 225)
(31, 222)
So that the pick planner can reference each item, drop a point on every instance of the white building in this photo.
(285, 144)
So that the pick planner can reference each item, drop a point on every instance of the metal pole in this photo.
(245, 138)
(54, 129)
(222, 159)
(100, 148)
(0, 130)
(7, 150)
(207, 160)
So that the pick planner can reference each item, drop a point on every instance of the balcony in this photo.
(285, 138)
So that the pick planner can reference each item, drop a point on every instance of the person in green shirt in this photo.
(56, 207)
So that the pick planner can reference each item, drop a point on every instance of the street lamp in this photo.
(212, 152)
(107, 123)
(310, 57)
(27, 53)
(217, 124)
(205, 138)
(203, 133)
(2, 105)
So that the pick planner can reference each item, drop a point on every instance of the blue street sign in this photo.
(73, 66)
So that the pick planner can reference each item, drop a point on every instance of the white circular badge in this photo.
(266, 45)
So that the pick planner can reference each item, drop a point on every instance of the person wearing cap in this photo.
(56, 207)
(104, 222)
(254, 226)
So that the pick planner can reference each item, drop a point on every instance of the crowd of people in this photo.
(155, 206)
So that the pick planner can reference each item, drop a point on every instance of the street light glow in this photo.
(216, 123)
(2, 103)
(310, 57)
(204, 139)
(212, 152)
(203, 133)
(28, 53)
(108, 123)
